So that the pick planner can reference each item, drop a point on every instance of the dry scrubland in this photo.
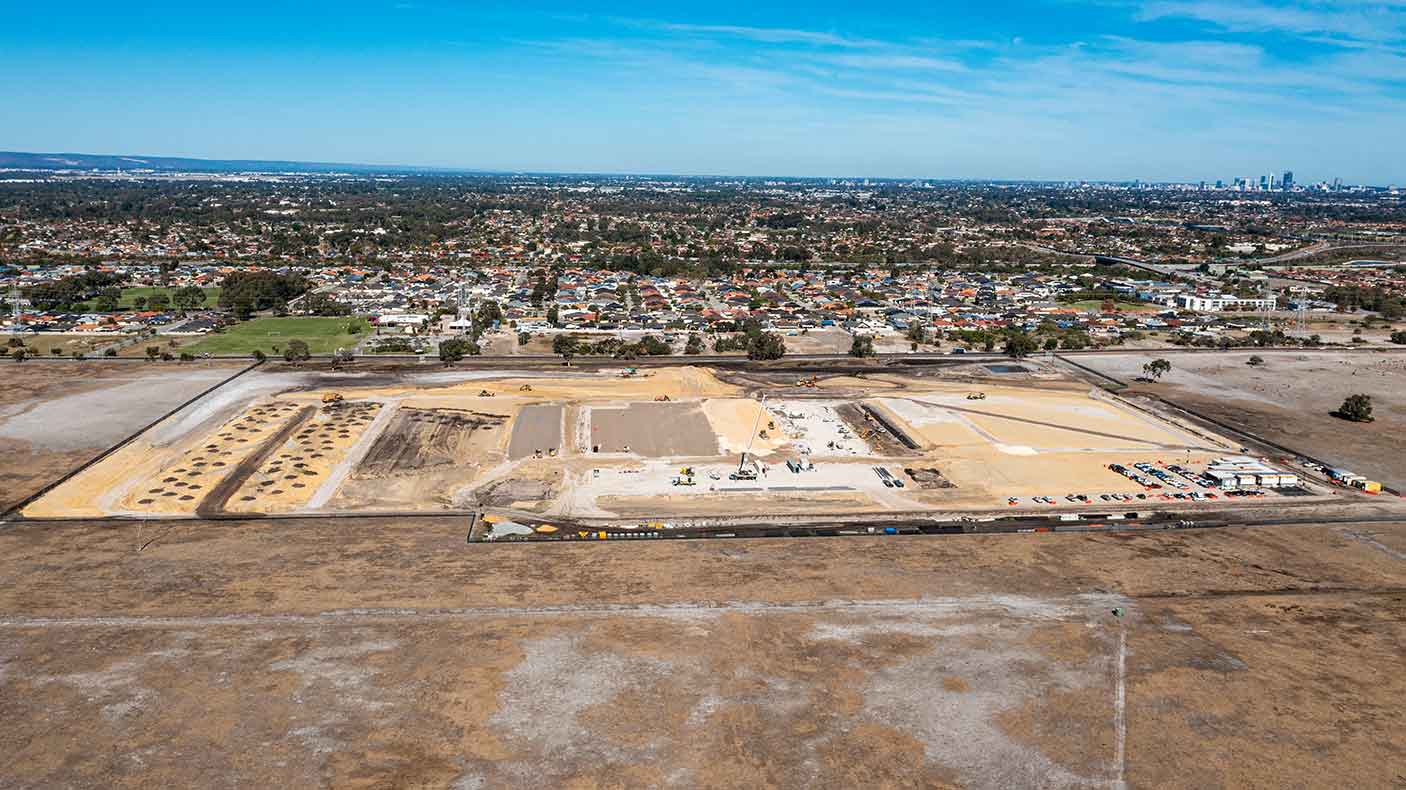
(1290, 399)
(593, 444)
(389, 653)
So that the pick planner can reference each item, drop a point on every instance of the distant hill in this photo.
(35, 161)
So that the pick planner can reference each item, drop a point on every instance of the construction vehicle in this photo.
(976, 396)
(525, 388)
(661, 398)
(684, 481)
(628, 373)
(331, 397)
(687, 471)
(810, 382)
(485, 394)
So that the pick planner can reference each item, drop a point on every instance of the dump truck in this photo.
(976, 396)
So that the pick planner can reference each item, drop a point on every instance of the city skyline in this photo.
(1151, 91)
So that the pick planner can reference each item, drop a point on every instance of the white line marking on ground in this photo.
(1057, 609)
(1120, 714)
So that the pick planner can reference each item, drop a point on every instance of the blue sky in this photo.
(1056, 89)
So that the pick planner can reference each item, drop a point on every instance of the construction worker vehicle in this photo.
(976, 396)
(331, 397)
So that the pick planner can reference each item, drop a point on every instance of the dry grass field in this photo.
(376, 653)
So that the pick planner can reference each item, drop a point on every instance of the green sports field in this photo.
(1126, 307)
(129, 295)
(323, 336)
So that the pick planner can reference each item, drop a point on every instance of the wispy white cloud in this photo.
(765, 35)
(1350, 20)
(897, 62)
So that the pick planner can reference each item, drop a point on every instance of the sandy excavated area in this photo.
(732, 420)
(188, 478)
(296, 469)
(1043, 420)
(1050, 439)
(424, 457)
(387, 653)
(173, 480)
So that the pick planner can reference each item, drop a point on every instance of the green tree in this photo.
(152, 353)
(862, 346)
(455, 349)
(296, 351)
(188, 298)
(107, 300)
(1357, 408)
(523, 338)
(694, 344)
(1020, 344)
(765, 345)
(565, 345)
(260, 356)
(139, 303)
(158, 301)
(1399, 337)
(1155, 369)
(18, 354)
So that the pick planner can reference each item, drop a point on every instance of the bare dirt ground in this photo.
(653, 430)
(375, 653)
(54, 416)
(536, 429)
(1289, 400)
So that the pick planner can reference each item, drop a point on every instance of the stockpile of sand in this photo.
(732, 420)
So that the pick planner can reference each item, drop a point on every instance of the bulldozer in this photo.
(661, 398)
(331, 397)
(525, 388)
(485, 394)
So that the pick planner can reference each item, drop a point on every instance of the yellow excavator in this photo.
(331, 397)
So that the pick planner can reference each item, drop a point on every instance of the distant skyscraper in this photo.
(1288, 180)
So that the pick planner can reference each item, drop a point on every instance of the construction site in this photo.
(412, 576)
(562, 453)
